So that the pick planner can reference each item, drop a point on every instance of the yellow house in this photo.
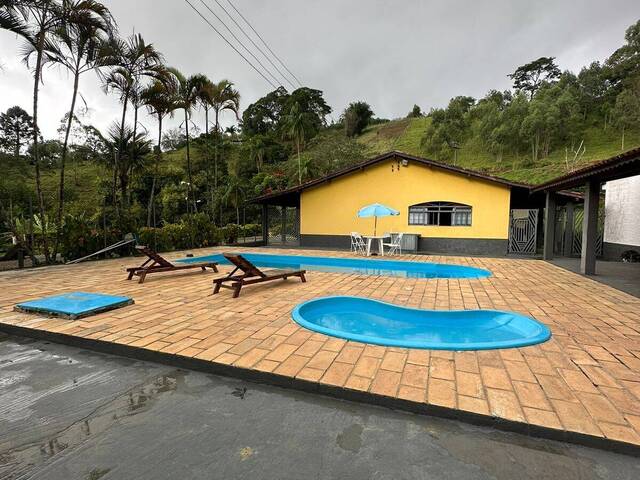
(452, 209)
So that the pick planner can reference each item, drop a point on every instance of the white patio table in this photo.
(380, 239)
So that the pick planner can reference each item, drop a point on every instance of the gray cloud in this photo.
(391, 54)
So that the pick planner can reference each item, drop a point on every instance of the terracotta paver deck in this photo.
(586, 379)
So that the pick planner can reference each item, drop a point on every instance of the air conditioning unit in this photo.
(410, 242)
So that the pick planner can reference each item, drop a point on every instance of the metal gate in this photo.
(284, 226)
(578, 216)
(523, 231)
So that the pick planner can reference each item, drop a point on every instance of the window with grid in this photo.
(440, 213)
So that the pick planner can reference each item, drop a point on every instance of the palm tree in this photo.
(76, 48)
(257, 150)
(131, 60)
(187, 98)
(205, 97)
(234, 193)
(222, 96)
(159, 98)
(132, 154)
(297, 126)
(38, 22)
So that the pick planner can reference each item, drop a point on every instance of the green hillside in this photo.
(87, 181)
(405, 135)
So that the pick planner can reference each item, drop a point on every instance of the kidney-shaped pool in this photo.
(371, 321)
(362, 266)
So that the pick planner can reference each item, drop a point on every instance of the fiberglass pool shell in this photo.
(380, 323)
(360, 266)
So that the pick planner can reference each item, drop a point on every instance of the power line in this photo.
(238, 40)
(255, 44)
(263, 41)
(230, 44)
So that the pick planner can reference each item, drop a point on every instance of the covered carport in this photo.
(280, 217)
(591, 179)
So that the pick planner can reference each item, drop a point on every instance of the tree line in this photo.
(546, 109)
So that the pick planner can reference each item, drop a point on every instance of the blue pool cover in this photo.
(362, 266)
(381, 323)
(75, 304)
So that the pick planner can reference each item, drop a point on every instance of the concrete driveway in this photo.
(67, 413)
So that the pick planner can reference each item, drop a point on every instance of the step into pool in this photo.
(361, 266)
(380, 323)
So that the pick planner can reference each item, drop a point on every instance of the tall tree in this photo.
(296, 127)
(257, 150)
(76, 48)
(132, 156)
(37, 22)
(530, 76)
(16, 127)
(624, 64)
(219, 96)
(160, 100)
(234, 193)
(131, 60)
(224, 97)
(626, 113)
(205, 96)
(356, 117)
(415, 112)
(187, 96)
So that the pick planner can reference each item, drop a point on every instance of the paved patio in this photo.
(585, 380)
(620, 275)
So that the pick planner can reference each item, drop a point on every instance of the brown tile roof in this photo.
(622, 165)
(381, 158)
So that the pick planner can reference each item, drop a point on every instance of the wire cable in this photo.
(241, 44)
(230, 44)
(255, 44)
(263, 41)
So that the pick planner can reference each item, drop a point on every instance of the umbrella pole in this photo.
(375, 225)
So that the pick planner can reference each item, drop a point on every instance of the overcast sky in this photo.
(391, 54)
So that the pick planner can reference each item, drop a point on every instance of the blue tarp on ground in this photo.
(75, 304)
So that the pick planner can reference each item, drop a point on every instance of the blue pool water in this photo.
(362, 266)
(380, 323)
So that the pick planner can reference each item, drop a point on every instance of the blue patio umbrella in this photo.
(376, 210)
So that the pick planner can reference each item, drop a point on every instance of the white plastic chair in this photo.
(358, 245)
(395, 245)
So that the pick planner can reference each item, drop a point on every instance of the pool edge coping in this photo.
(270, 378)
(489, 273)
(298, 318)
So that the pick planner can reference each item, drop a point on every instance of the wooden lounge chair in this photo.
(251, 274)
(156, 263)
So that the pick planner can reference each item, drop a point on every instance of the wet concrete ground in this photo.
(67, 413)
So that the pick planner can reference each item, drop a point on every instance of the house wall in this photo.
(622, 211)
(328, 212)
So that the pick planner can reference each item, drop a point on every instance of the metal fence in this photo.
(523, 231)
(284, 226)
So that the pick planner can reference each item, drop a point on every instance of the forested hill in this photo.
(406, 135)
(331, 149)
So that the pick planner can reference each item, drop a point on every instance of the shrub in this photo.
(251, 230)
(230, 233)
(79, 238)
(192, 231)
(156, 238)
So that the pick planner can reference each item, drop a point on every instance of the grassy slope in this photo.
(405, 135)
(82, 182)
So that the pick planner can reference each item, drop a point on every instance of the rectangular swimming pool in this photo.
(360, 266)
